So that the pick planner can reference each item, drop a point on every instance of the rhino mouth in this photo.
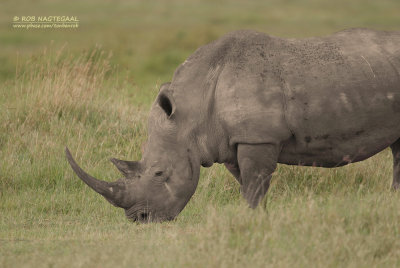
(139, 215)
(146, 216)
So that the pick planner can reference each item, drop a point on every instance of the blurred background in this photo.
(149, 39)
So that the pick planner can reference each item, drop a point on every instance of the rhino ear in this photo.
(164, 86)
(129, 169)
(166, 102)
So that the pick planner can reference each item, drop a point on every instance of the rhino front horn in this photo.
(112, 191)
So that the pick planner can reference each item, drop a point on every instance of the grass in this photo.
(95, 99)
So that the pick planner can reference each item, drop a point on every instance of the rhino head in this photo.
(157, 187)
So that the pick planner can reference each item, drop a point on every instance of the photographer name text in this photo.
(45, 22)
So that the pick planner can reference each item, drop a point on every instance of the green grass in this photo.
(91, 89)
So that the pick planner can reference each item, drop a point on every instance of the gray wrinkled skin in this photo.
(251, 101)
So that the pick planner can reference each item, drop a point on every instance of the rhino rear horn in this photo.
(112, 191)
(127, 168)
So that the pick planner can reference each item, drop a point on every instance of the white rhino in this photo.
(251, 100)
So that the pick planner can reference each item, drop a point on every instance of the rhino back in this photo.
(328, 100)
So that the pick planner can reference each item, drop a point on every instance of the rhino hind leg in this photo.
(256, 163)
(396, 164)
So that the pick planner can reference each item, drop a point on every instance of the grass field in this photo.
(91, 88)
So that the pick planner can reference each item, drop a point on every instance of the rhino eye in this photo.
(158, 173)
(165, 104)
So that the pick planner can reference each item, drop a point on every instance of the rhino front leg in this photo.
(396, 164)
(256, 164)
